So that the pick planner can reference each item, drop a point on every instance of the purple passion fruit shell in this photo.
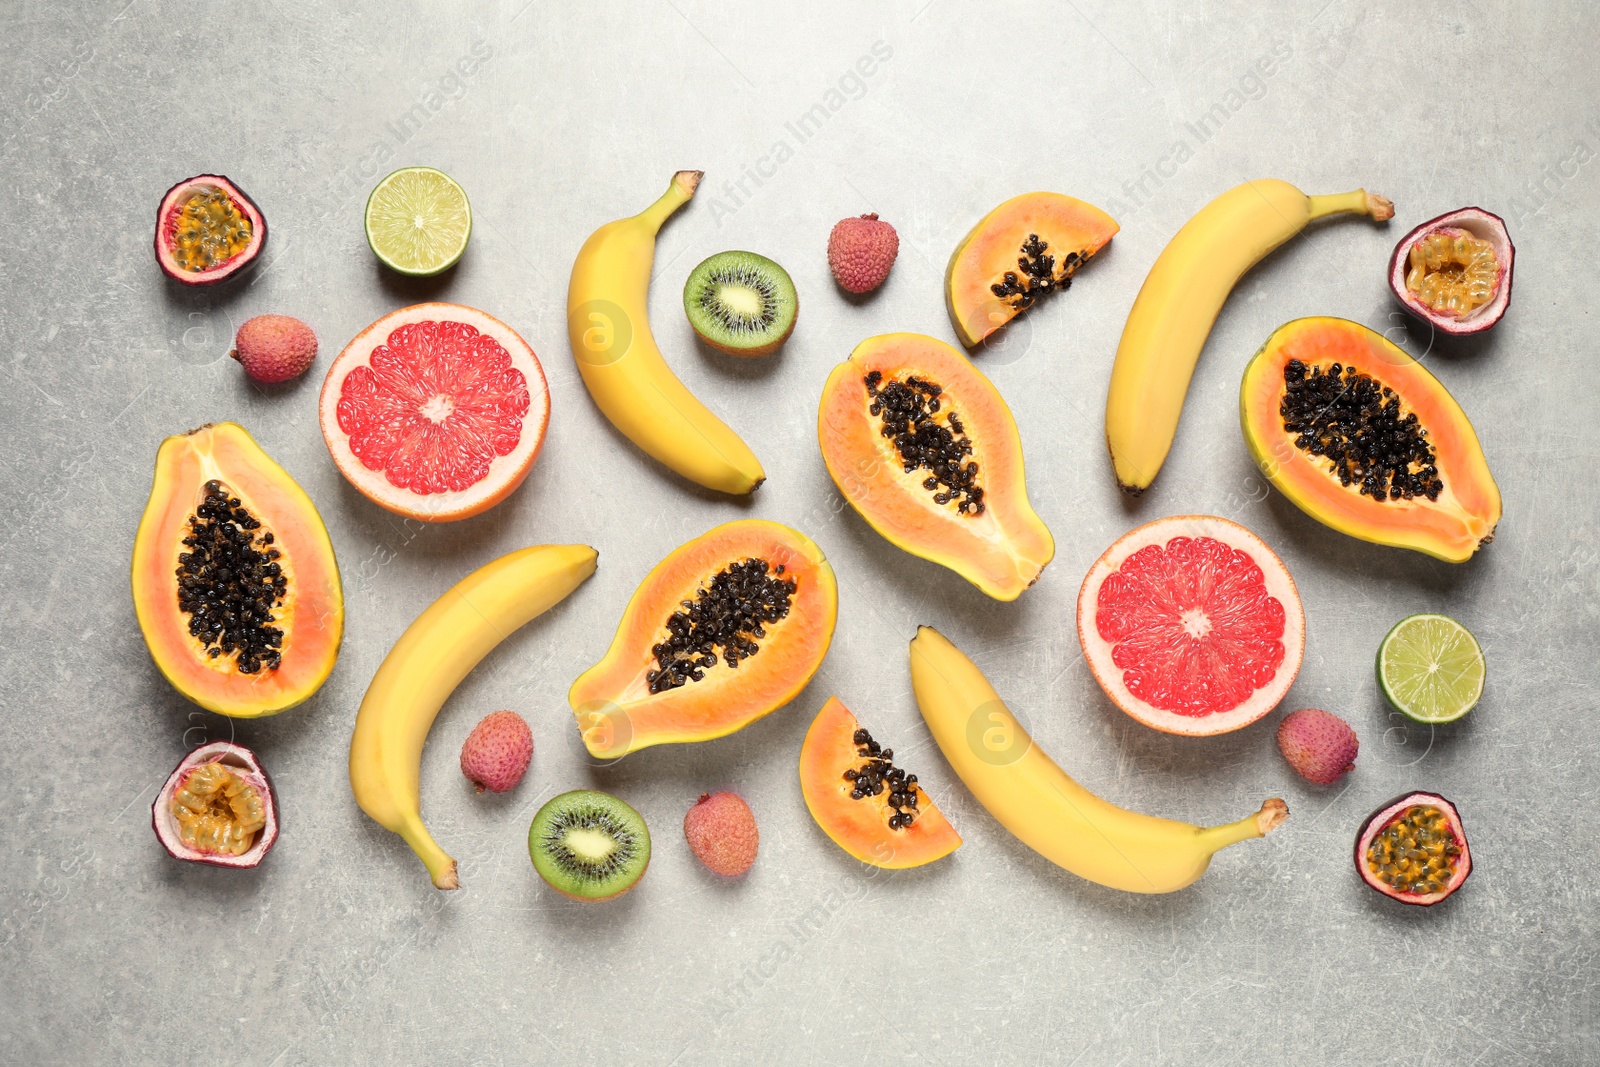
(1479, 227)
(243, 766)
(1403, 871)
(207, 231)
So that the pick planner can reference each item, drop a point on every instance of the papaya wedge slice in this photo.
(1361, 437)
(872, 821)
(1028, 246)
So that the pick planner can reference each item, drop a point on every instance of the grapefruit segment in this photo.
(1192, 625)
(436, 411)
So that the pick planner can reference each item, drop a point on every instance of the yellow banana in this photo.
(1040, 804)
(1179, 302)
(608, 322)
(431, 658)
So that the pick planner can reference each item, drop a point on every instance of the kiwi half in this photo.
(741, 303)
(589, 845)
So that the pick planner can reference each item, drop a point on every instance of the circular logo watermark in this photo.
(1012, 336)
(206, 333)
(997, 735)
(604, 727)
(1405, 743)
(1405, 333)
(603, 332)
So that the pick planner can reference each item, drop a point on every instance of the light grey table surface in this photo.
(337, 950)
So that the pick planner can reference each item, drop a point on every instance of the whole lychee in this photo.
(721, 830)
(497, 751)
(274, 348)
(1318, 744)
(861, 251)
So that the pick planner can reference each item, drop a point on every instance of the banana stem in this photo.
(1360, 202)
(440, 866)
(684, 183)
(1263, 822)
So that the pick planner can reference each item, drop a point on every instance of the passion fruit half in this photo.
(207, 231)
(217, 808)
(1455, 271)
(1414, 849)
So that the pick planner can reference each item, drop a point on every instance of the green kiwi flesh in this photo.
(741, 303)
(589, 845)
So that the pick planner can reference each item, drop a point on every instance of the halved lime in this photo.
(1430, 668)
(418, 221)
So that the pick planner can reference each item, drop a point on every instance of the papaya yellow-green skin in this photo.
(615, 710)
(1001, 551)
(312, 613)
(991, 248)
(1450, 528)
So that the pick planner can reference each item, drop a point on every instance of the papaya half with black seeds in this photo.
(234, 579)
(1028, 246)
(1361, 437)
(924, 447)
(728, 628)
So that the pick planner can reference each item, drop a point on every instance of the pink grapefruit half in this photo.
(436, 411)
(1192, 625)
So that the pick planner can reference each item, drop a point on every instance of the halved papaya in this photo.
(924, 447)
(729, 627)
(234, 579)
(1028, 246)
(870, 808)
(1363, 439)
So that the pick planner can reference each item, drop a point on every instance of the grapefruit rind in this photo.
(1097, 651)
(505, 472)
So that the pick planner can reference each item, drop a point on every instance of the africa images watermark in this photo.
(436, 96)
(851, 85)
(740, 993)
(1249, 87)
(1539, 192)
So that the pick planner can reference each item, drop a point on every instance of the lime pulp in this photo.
(418, 221)
(1431, 669)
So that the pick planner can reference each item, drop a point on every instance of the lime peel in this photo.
(1431, 669)
(418, 221)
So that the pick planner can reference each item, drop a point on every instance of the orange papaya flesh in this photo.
(678, 670)
(288, 647)
(1443, 502)
(1000, 546)
(862, 825)
(1028, 246)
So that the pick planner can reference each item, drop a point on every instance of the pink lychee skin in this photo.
(1318, 744)
(497, 751)
(861, 251)
(274, 348)
(721, 830)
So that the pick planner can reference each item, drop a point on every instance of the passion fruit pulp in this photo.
(217, 807)
(1414, 849)
(207, 230)
(1455, 271)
